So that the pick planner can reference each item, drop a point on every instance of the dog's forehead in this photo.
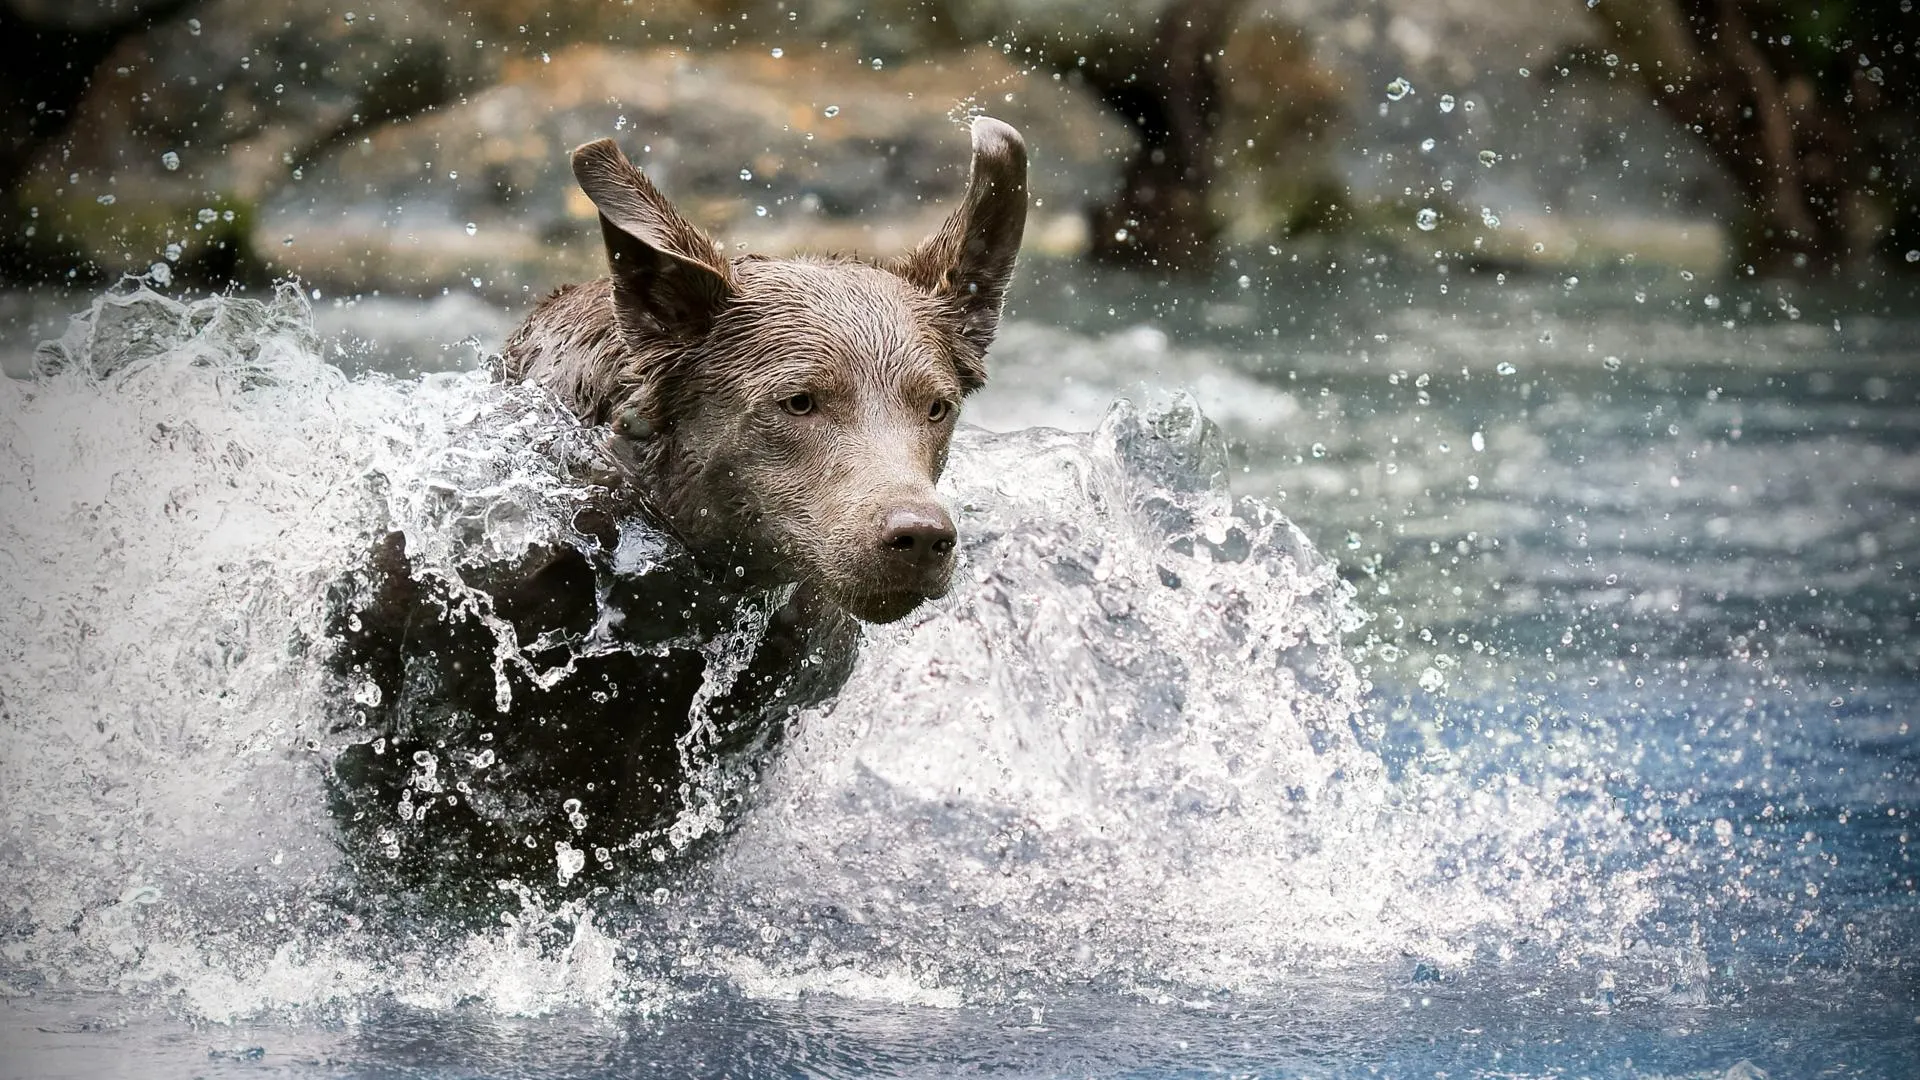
(839, 309)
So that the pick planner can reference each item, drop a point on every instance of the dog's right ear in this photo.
(668, 276)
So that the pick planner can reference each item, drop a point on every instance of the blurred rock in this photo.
(186, 127)
(1486, 124)
(820, 149)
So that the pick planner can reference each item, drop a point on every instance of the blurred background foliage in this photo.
(415, 145)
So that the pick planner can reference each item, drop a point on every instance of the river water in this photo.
(1354, 669)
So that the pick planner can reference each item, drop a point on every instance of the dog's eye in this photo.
(939, 410)
(798, 404)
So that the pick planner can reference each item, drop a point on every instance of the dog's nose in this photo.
(921, 534)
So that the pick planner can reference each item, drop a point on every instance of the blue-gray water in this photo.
(1586, 750)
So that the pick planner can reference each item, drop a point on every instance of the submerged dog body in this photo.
(785, 420)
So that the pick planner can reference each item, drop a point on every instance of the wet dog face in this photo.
(790, 417)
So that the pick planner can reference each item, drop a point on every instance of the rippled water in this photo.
(1583, 749)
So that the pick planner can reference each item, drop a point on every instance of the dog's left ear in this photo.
(968, 262)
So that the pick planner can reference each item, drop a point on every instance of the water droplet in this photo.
(1570, 283)
(1488, 218)
(1426, 146)
(1246, 282)
(193, 27)
(1488, 157)
(1506, 368)
(746, 174)
(1473, 483)
(171, 160)
(1398, 89)
(1913, 256)
(287, 240)
(473, 228)
(1611, 363)
(349, 17)
(1686, 275)
(1712, 302)
(778, 52)
(878, 63)
(832, 110)
(1612, 59)
(161, 273)
(1467, 105)
(1479, 441)
(105, 200)
(759, 211)
(173, 252)
(1318, 450)
(1427, 219)
(1639, 296)
(1538, 247)
(1446, 103)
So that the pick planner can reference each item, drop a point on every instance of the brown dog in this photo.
(786, 421)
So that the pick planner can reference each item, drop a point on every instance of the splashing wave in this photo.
(1127, 750)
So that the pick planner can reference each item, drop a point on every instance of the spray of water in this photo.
(1128, 750)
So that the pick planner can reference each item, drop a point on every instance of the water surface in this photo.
(1569, 733)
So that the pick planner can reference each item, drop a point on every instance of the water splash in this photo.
(1128, 748)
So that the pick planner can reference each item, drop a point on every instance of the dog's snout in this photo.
(922, 534)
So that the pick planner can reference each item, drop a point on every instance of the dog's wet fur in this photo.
(786, 420)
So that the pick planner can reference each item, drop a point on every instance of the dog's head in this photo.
(790, 417)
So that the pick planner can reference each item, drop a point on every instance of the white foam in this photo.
(1128, 748)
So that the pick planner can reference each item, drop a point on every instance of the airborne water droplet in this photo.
(171, 160)
(832, 110)
(746, 174)
(1913, 256)
(1488, 218)
(1446, 103)
(1398, 89)
(1506, 368)
(778, 52)
(472, 228)
(1426, 146)
(1427, 219)
(1488, 157)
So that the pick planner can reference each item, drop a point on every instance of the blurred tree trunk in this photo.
(1812, 115)
(1172, 97)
